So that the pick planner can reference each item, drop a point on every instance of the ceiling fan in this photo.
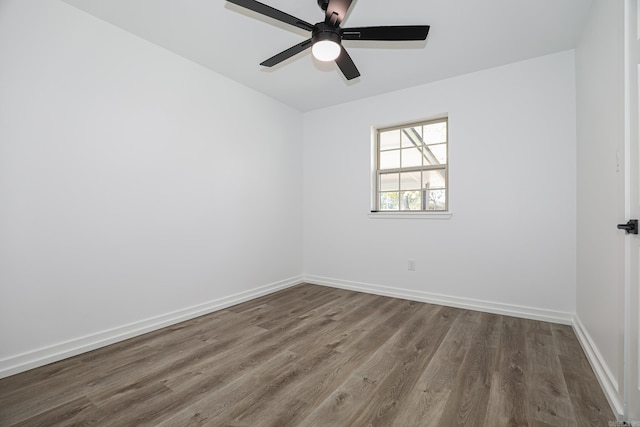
(326, 36)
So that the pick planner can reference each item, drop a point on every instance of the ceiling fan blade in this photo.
(263, 9)
(393, 33)
(286, 54)
(336, 11)
(346, 65)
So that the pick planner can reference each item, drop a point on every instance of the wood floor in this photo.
(317, 356)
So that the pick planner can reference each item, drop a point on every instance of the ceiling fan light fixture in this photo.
(326, 42)
(326, 50)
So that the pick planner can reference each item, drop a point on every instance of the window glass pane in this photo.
(410, 181)
(435, 133)
(436, 200)
(412, 137)
(411, 157)
(390, 159)
(389, 140)
(411, 201)
(389, 181)
(406, 156)
(429, 156)
(433, 179)
(435, 154)
(389, 201)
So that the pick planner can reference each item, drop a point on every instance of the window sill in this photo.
(410, 215)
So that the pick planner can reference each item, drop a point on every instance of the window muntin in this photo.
(412, 168)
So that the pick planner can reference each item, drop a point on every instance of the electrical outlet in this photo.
(412, 264)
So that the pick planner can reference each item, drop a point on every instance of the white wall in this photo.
(136, 187)
(600, 197)
(115, 155)
(510, 245)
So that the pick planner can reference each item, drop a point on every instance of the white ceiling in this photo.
(465, 36)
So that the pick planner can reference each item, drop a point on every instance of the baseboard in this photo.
(43, 356)
(465, 303)
(608, 381)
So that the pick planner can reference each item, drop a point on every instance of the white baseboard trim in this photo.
(43, 356)
(608, 381)
(552, 316)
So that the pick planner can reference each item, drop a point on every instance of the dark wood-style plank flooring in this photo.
(318, 356)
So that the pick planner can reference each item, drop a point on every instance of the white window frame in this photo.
(376, 172)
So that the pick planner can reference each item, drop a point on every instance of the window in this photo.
(411, 167)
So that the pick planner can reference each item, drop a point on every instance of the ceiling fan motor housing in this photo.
(322, 31)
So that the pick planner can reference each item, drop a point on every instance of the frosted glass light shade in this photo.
(326, 50)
